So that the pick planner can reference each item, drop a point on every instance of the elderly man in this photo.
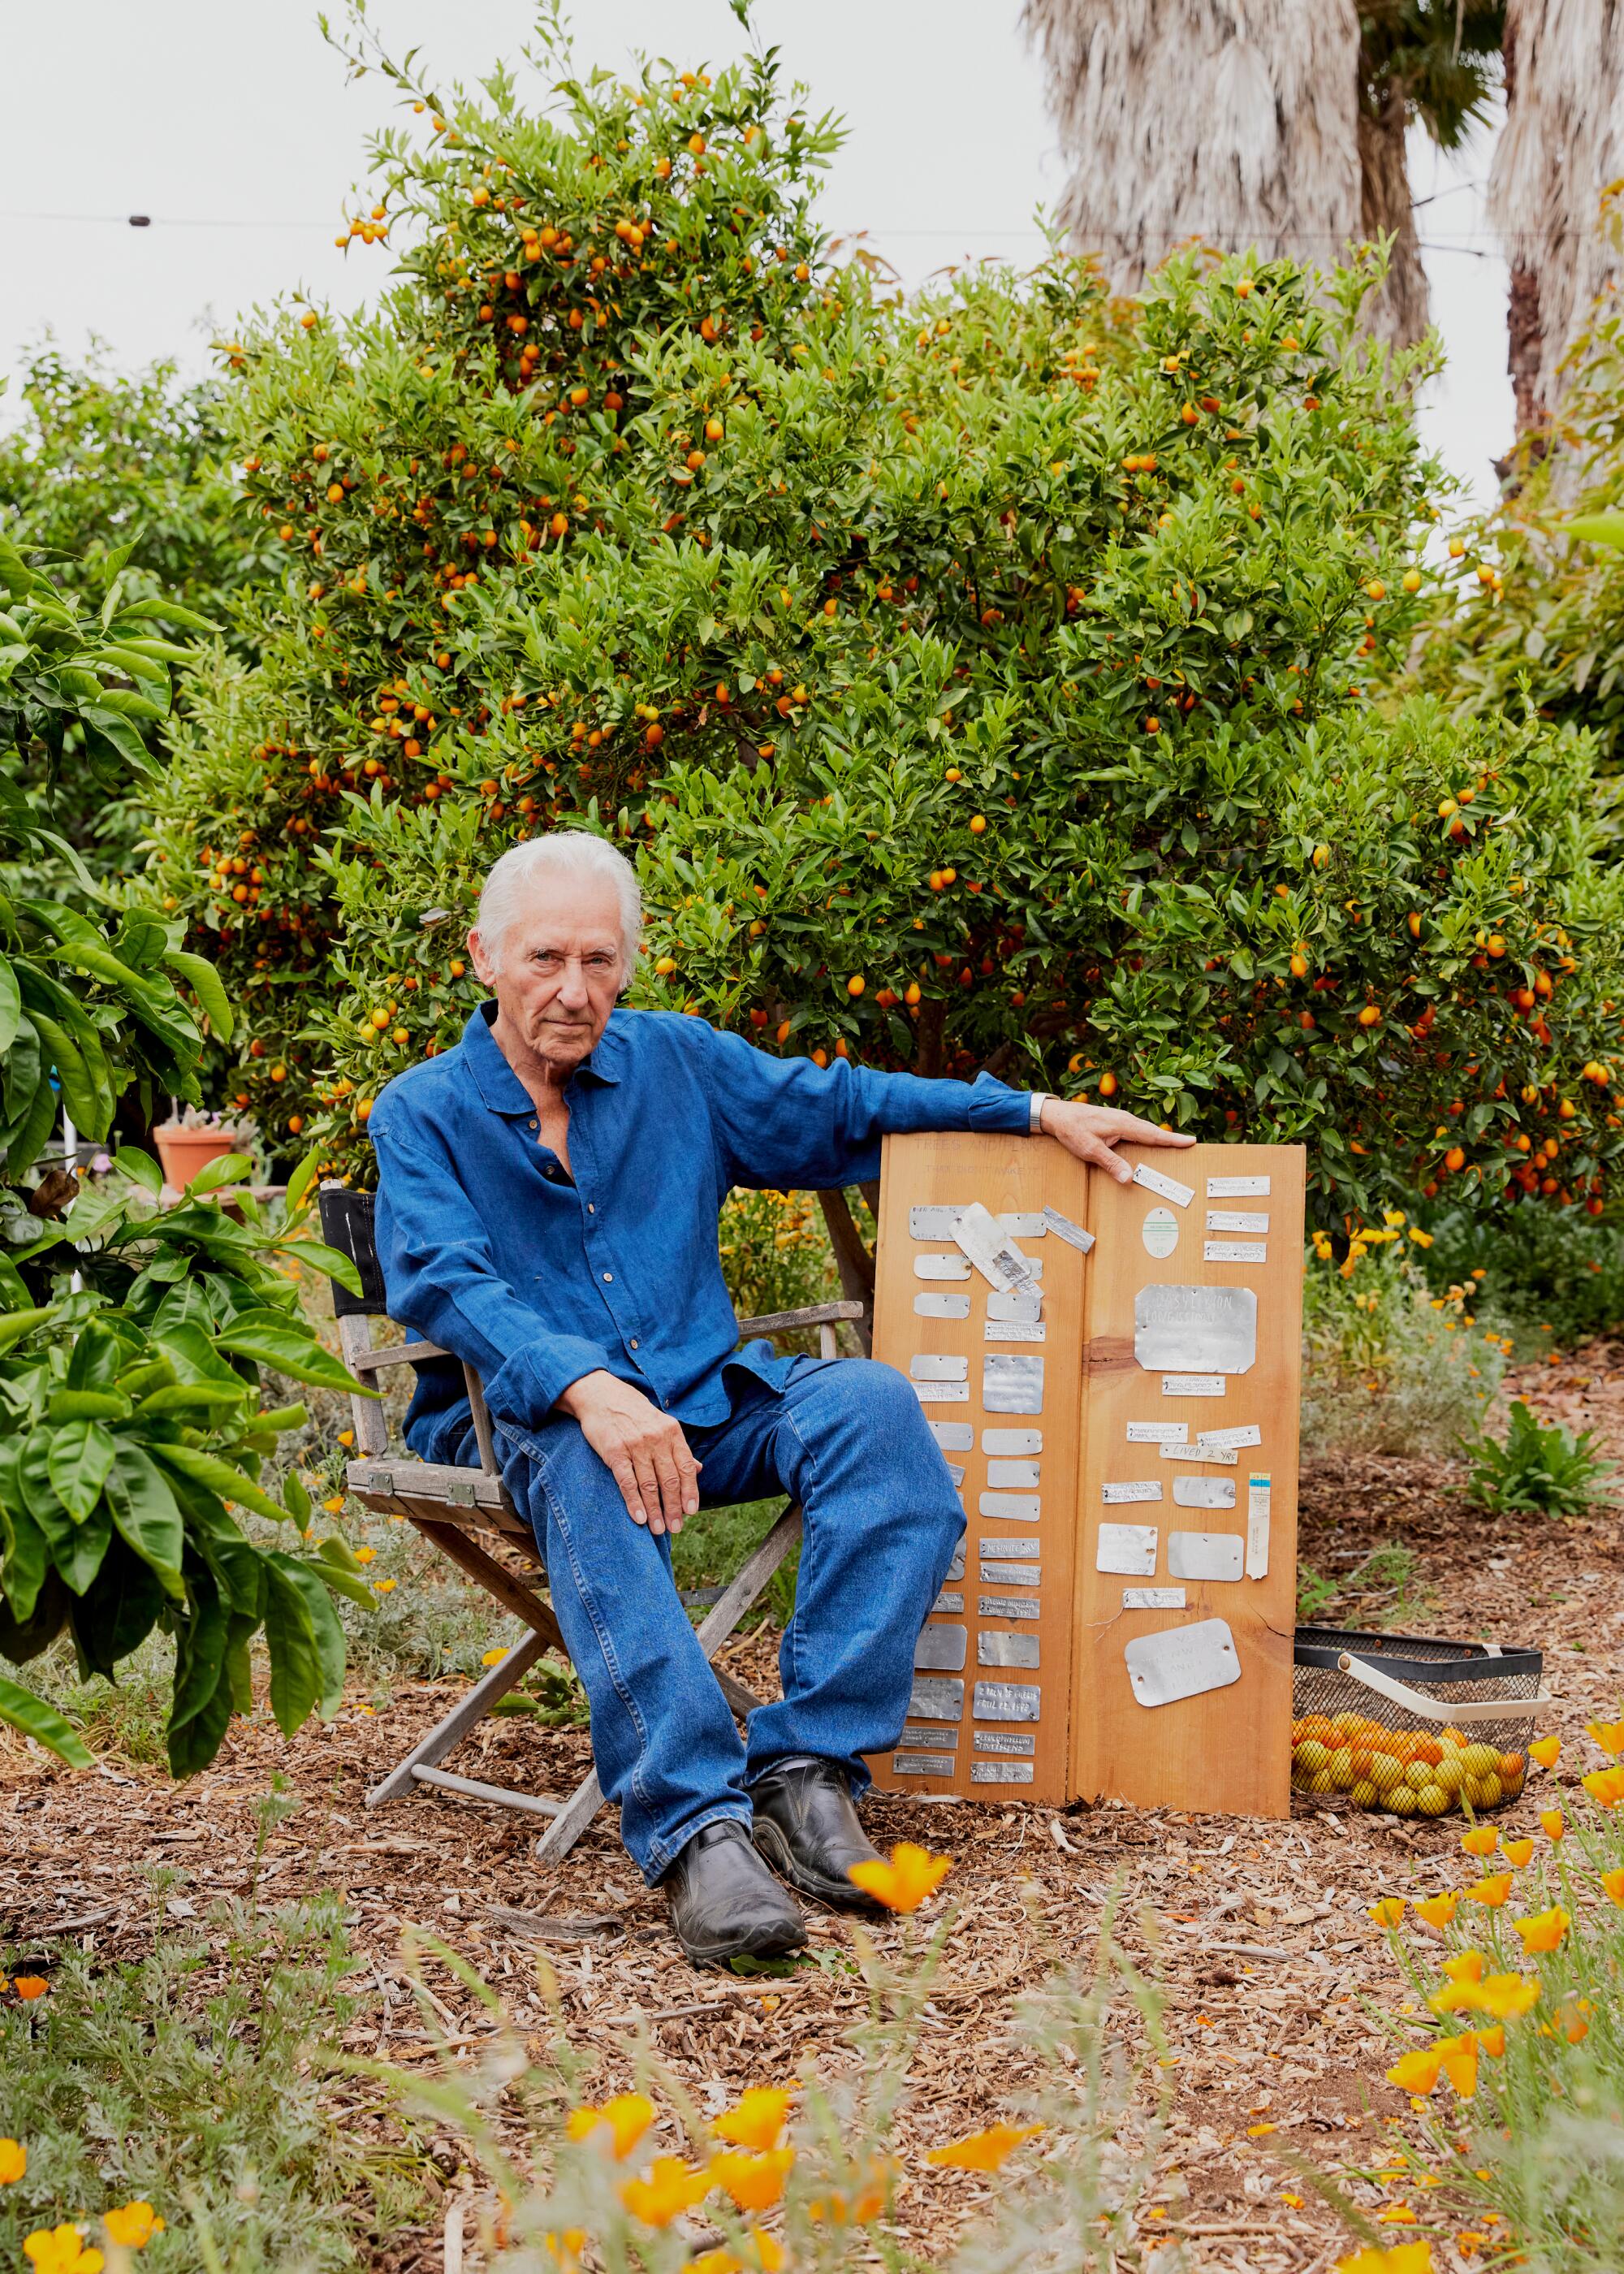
(548, 1196)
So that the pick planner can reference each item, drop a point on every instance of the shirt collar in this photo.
(500, 1086)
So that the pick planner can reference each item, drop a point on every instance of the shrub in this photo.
(980, 678)
(1547, 1471)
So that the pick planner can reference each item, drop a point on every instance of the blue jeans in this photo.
(845, 1437)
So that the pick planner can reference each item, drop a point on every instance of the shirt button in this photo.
(532, 1125)
(590, 1210)
(608, 1276)
(634, 1341)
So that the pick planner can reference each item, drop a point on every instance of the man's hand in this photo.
(642, 1449)
(1089, 1132)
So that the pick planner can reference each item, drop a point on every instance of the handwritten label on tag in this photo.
(1063, 1228)
(1193, 1385)
(1224, 1455)
(1152, 1599)
(1247, 1434)
(1116, 1496)
(941, 1393)
(1129, 1550)
(1238, 1188)
(1158, 1432)
(1165, 1188)
(1234, 1251)
(1237, 1220)
(1015, 1330)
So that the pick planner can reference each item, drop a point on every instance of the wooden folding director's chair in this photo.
(468, 1517)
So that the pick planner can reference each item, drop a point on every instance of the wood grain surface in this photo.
(1225, 1750)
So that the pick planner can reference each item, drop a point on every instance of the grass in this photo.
(185, 2078)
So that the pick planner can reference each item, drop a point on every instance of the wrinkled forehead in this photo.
(579, 915)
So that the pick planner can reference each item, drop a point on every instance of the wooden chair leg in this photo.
(456, 1725)
(454, 1543)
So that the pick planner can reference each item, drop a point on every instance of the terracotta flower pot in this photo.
(183, 1152)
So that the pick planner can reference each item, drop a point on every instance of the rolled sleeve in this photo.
(442, 1279)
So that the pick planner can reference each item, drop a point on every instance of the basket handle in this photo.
(1436, 1709)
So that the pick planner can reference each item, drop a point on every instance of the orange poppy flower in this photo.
(1481, 1839)
(1438, 1910)
(668, 2188)
(1546, 1751)
(1388, 1911)
(984, 2151)
(622, 2121)
(1417, 2071)
(1608, 1735)
(1516, 1852)
(1614, 1882)
(1544, 1931)
(1552, 1824)
(756, 2119)
(753, 2177)
(911, 1875)
(1491, 1891)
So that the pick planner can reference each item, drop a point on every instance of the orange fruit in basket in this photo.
(1401, 1798)
(1483, 1791)
(1480, 1760)
(1386, 1770)
(1311, 1755)
(1510, 1770)
(1364, 1794)
(1428, 1749)
(1360, 1759)
(1339, 1768)
(1431, 1800)
(1449, 1773)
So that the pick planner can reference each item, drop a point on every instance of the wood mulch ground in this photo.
(1257, 1931)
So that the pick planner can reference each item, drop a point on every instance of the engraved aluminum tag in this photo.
(1181, 1662)
(928, 1365)
(1257, 1527)
(940, 1650)
(953, 1436)
(1028, 1309)
(1014, 1331)
(1165, 1188)
(1205, 1555)
(937, 1700)
(1007, 1607)
(955, 1469)
(1020, 1549)
(1158, 1432)
(1014, 1476)
(940, 1267)
(1009, 1508)
(955, 1570)
(1244, 1434)
(951, 1600)
(1063, 1228)
(998, 1646)
(1023, 1224)
(1238, 1188)
(941, 1307)
(1116, 1496)
(1222, 1457)
(992, 1252)
(1006, 1701)
(1019, 1742)
(1151, 1599)
(923, 1764)
(1234, 1251)
(1193, 1385)
(1127, 1548)
(1010, 1575)
(1011, 1441)
(1204, 1492)
(1012, 1383)
(915, 1734)
(1196, 1330)
(933, 1223)
(1160, 1233)
(941, 1393)
(1002, 1771)
(1237, 1220)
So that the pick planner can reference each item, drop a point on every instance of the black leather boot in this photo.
(807, 1828)
(725, 1903)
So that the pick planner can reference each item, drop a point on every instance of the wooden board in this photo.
(1006, 1174)
(1225, 1750)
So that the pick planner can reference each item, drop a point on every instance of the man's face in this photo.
(560, 971)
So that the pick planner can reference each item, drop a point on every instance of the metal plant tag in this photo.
(1238, 1188)
(1006, 1701)
(940, 1650)
(1181, 1662)
(1028, 1309)
(1152, 1599)
(953, 1436)
(941, 1266)
(1158, 1432)
(934, 1223)
(1018, 1743)
(1011, 1441)
(923, 1764)
(1002, 1771)
(1237, 1220)
(928, 1365)
(1246, 1433)
(1127, 1548)
(1193, 1385)
(1204, 1492)
(937, 1700)
(1196, 1330)
(941, 1307)
(941, 1393)
(1165, 1188)
(1010, 1575)
(1131, 1488)
(1063, 1228)
(1205, 1555)
(993, 1252)
(1014, 1476)
(1012, 1383)
(1009, 1507)
(1006, 1607)
(999, 1647)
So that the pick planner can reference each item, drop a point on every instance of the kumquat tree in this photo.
(989, 677)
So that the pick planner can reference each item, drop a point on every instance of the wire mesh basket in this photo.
(1409, 1724)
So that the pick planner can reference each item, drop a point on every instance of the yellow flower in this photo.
(1492, 1892)
(1543, 1931)
(384, 1587)
(1403, 2258)
(61, 2250)
(865, 2200)
(1605, 1787)
(754, 2179)
(1388, 1911)
(1417, 2071)
(1570, 2018)
(1422, 1238)
(1481, 1839)
(1551, 1823)
(1504, 1996)
(1438, 1910)
(1395, 2215)
(904, 1883)
(1545, 1751)
(1466, 1966)
(13, 2162)
(668, 2188)
(1458, 2059)
(758, 2118)
(30, 1986)
(1516, 1852)
(492, 1658)
(622, 2121)
(768, 2255)
(1612, 1881)
(364, 1555)
(1608, 1735)
(1492, 2040)
(984, 2151)
(335, 1505)
(133, 2225)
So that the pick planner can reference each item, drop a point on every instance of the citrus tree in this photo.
(134, 1340)
(982, 678)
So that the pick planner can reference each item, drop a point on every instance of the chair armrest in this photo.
(817, 1314)
(373, 1361)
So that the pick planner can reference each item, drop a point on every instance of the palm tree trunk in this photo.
(1399, 310)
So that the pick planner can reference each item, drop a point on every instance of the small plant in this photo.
(237, 1127)
(1547, 1469)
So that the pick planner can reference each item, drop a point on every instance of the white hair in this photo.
(566, 852)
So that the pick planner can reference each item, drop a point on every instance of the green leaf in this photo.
(346, 1583)
(207, 1469)
(290, 1641)
(79, 1461)
(297, 1498)
(15, 1324)
(149, 1521)
(92, 1108)
(118, 1612)
(43, 1724)
(24, 1560)
(140, 1167)
(198, 1718)
(1606, 528)
(272, 1340)
(299, 1183)
(318, 1257)
(228, 1168)
(204, 984)
(11, 1006)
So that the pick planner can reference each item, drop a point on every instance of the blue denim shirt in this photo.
(536, 1277)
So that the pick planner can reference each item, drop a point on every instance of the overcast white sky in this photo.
(234, 126)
